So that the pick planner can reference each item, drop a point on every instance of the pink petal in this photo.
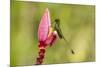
(52, 38)
(44, 25)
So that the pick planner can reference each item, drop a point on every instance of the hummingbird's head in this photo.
(57, 20)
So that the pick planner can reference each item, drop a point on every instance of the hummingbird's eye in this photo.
(57, 20)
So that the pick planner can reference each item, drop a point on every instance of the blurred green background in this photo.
(77, 24)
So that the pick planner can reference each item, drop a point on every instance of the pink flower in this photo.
(46, 35)
(44, 26)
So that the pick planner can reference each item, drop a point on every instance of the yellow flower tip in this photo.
(50, 31)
